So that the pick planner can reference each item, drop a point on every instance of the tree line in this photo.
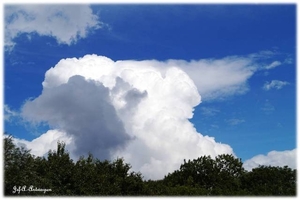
(58, 175)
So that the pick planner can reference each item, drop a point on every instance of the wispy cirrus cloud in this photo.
(275, 84)
(209, 111)
(288, 61)
(9, 113)
(268, 108)
(234, 121)
(273, 65)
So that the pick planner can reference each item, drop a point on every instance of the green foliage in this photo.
(219, 176)
(224, 175)
(19, 167)
(59, 170)
(275, 181)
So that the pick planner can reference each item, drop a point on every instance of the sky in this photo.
(154, 84)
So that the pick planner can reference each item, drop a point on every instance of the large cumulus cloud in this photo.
(138, 110)
(131, 109)
(83, 109)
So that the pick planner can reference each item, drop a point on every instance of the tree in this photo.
(267, 180)
(223, 175)
(217, 176)
(116, 179)
(85, 177)
(19, 167)
(229, 170)
(59, 170)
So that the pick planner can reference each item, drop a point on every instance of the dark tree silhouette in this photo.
(224, 175)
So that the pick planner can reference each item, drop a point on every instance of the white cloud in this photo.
(66, 23)
(263, 54)
(45, 142)
(9, 113)
(288, 61)
(273, 158)
(268, 108)
(219, 78)
(276, 84)
(215, 78)
(131, 109)
(273, 65)
(209, 111)
(83, 109)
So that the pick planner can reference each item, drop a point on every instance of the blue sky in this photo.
(253, 121)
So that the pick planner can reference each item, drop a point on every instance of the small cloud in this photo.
(234, 122)
(273, 65)
(209, 111)
(9, 113)
(262, 54)
(268, 108)
(66, 23)
(276, 84)
(273, 158)
(288, 61)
